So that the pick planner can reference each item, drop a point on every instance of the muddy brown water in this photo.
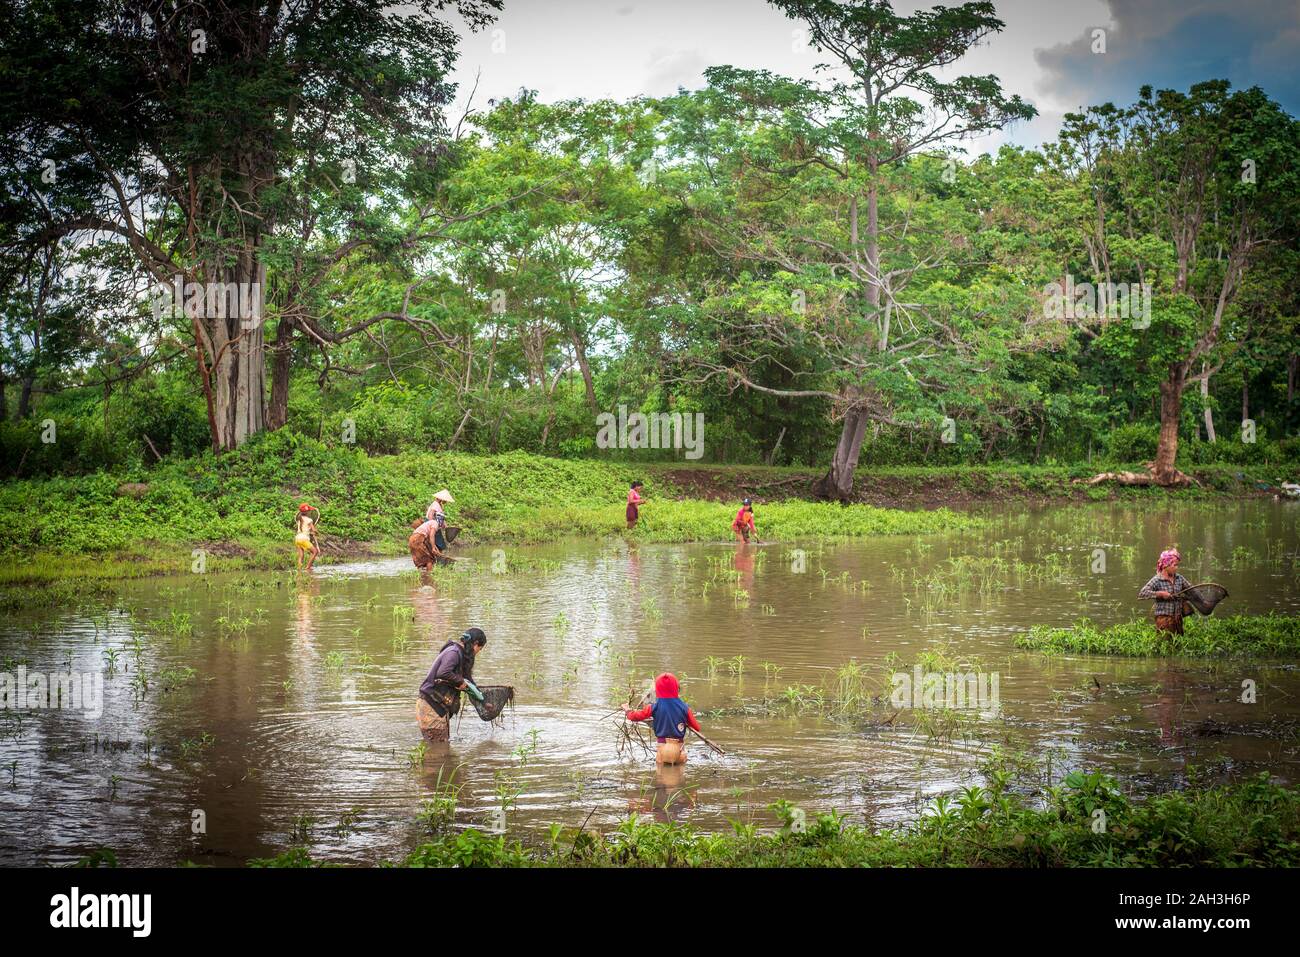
(243, 713)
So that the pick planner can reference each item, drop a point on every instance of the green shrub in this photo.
(1239, 635)
(1132, 443)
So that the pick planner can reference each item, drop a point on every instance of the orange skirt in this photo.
(421, 553)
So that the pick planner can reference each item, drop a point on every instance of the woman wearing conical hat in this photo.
(435, 513)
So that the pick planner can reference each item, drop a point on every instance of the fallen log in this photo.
(1175, 478)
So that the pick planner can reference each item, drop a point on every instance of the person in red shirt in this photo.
(743, 525)
(634, 501)
(671, 717)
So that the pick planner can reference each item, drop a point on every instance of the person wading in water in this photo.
(423, 545)
(743, 524)
(304, 538)
(634, 502)
(452, 673)
(1161, 589)
(436, 513)
(671, 716)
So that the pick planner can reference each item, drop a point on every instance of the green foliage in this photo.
(250, 497)
(700, 252)
(470, 848)
(1236, 636)
(1133, 443)
(1254, 822)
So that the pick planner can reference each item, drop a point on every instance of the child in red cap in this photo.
(305, 537)
(671, 719)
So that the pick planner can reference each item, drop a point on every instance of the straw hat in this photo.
(443, 496)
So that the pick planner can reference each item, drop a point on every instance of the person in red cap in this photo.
(305, 537)
(671, 717)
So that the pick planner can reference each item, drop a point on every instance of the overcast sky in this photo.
(624, 48)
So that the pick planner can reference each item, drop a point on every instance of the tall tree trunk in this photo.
(25, 396)
(4, 404)
(230, 354)
(277, 412)
(464, 419)
(1205, 401)
(580, 353)
(1292, 367)
(838, 482)
(1245, 397)
(1171, 406)
(771, 456)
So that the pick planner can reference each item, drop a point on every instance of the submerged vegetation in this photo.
(1085, 821)
(1239, 635)
(880, 696)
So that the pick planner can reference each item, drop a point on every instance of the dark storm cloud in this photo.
(1175, 43)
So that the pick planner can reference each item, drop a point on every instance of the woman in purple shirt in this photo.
(452, 673)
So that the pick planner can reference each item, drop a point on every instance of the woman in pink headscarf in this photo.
(1164, 585)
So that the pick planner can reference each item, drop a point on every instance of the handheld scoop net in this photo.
(495, 699)
(1203, 597)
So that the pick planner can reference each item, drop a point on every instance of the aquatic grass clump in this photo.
(1257, 636)
(439, 811)
(1253, 822)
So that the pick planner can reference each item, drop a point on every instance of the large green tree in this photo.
(1188, 192)
(807, 184)
(217, 139)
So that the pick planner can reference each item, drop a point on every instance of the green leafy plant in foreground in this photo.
(1253, 822)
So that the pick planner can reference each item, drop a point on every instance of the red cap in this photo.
(666, 686)
(304, 507)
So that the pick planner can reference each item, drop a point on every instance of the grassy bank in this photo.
(1237, 636)
(1254, 822)
(239, 509)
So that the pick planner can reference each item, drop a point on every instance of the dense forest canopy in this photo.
(817, 268)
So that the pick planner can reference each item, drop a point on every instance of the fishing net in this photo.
(495, 698)
(449, 533)
(1203, 597)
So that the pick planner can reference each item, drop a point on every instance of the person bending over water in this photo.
(671, 717)
(743, 524)
(1162, 587)
(452, 673)
(423, 544)
(304, 538)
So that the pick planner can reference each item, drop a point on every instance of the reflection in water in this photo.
(1170, 703)
(429, 615)
(285, 707)
(744, 565)
(305, 620)
(634, 565)
(668, 799)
